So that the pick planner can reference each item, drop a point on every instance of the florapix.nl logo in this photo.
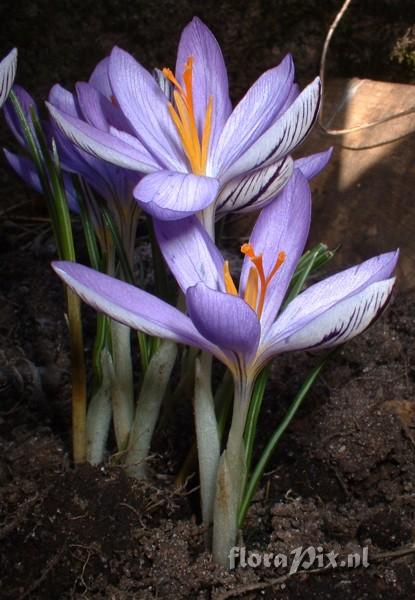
(299, 559)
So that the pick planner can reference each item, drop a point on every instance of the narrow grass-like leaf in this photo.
(253, 414)
(253, 481)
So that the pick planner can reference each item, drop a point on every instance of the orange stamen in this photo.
(251, 290)
(229, 283)
(184, 119)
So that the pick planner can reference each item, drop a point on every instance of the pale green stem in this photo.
(154, 385)
(208, 443)
(231, 477)
(122, 383)
(99, 412)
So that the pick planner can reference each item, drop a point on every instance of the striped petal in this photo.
(282, 226)
(336, 325)
(255, 190)
(254, 114)
(102, 144)
(210, 78)
(283, 135)
(168, 195)
(130, 305)
(7, 74)
(145, 106)
(190, 253)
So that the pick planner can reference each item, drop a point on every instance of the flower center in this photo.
(257, 284)
(183, 116)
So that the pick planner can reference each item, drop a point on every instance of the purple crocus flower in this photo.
(195, 149)
(244, 327)
(7, 74)
(21, 164)
(114, 184)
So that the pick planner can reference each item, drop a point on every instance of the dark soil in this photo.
(344, 475)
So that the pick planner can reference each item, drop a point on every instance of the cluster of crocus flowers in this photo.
(244, 327)
(172, 145)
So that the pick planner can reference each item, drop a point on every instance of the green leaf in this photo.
(253, 481)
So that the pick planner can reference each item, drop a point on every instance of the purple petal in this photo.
(293, 95)
(210, 78)
(100, 78)
(64, 101)
(312, 165)
(255, 190)
(327, 293)
(339, 323)
(7, 74)
(25, 169)
(101, 144)
(27, 105)
(190, 253)
(254, 114)
(131, 306)
(168, 195)
(282, 226)
(99, 111)
(226, 320)
(283, 135)
(145, 106)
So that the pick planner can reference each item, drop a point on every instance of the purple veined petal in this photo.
(190, 253)
(101, 144)
(254, 114)
(100, 78)
(25, 169)
(27, 105)
(133, 307)
(64, 101)
(339, 323)
(255, 190)
(226, 320)
(321, 296)
(71, 195)
(170, 196)
(99, 111)
(146, 108)
(293, 95)
(312, 165)
(283, 135)
(210, 78)
(8, 68)
(282, 226)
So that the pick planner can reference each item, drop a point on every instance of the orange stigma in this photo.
(257, 283)
(184, 118)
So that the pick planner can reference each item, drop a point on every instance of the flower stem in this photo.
(78, 378)
(99, 412)
(156, 379)
(207, 435)
(122, 383)
(231, 476)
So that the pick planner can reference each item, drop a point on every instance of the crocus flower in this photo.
(243, 326)
(194, 149)
(7, 74)
(114, 184)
